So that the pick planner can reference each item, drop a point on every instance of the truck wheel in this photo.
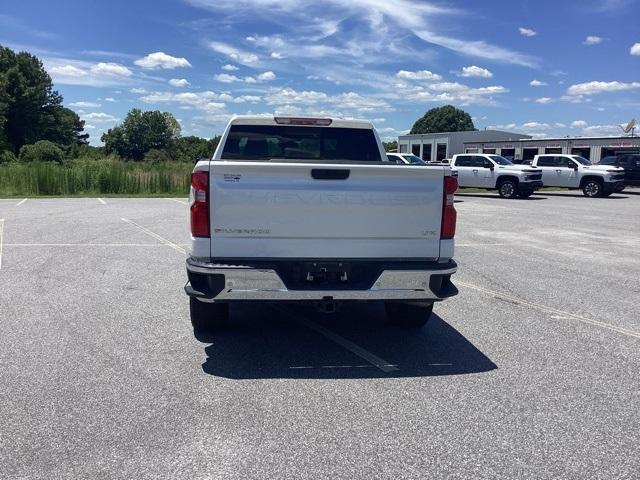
(592, 188)
(508, 189)
(525, 193)
(410, 315)
(206, 317)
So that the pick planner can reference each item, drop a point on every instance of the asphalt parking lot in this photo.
(531, 372)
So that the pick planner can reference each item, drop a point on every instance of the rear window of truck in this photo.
(267, 142)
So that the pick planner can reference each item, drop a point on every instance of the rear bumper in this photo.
(431, 281)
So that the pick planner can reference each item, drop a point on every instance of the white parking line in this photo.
(21, 202)
(343, 342)
(1, 233)
(179, 201)
(557, 314)
(102, 201)
(168, 243)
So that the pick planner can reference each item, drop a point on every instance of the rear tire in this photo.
(408, 315)
(592, 188)
(508, 189)
(207, 317)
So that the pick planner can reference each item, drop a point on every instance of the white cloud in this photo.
(67, 71)
(266, 76)
(207, 101)
(138, 90)
(592, 88)
(229, 68)
(419, 75)
(262, 77)
(290, 96)
(179, 82)
(449, 92)
(527, 32)
(592, 40)
(544, 100)
(162, 60)
(389, 25)
(100, 117)
(635, 49)
(537, 83)
(448, 87)
(242, 57)
(346, 102)
(578, 124)
(109, 99)
(109, 68)
(227, 78)
(277, 55)
(85, 104)
(535, 125)
(602, 130)
(473, 71)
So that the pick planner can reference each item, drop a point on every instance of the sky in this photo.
(544, 68)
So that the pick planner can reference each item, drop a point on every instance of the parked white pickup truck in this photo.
(574, 171)
(494, 172)
(310, 210)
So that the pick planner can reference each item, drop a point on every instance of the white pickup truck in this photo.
(494, 172)
(311, 210)
(574, 171)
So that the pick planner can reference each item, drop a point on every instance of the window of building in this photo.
(415, 149)
(582, 151)
(529, 153)
(426, 152)
(550, 150)
(441, 152)
(403, 148)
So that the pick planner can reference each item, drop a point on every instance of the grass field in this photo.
(93, 177)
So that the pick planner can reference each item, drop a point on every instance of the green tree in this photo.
(443, 119)
(190, 149)
(41, 151)
(30, 109)
(390, 146)
(140, 132)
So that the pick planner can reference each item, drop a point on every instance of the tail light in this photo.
(199, 199)
(449, 215)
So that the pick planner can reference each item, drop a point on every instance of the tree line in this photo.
(36, 126)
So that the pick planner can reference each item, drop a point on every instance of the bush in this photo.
(7, 156)
(42, 151)
(154, 156)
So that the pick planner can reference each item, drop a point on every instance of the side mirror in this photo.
(488, 164)
(573, 165)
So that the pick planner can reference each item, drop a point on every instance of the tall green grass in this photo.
(87, 177)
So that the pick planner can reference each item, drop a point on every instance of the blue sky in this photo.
(540, 67)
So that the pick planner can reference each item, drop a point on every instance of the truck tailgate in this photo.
(303, 210)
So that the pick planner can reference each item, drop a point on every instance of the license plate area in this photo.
(326, 273)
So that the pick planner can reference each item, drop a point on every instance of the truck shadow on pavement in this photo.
(265, 342)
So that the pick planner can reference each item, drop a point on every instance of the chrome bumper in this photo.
(238, 282)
